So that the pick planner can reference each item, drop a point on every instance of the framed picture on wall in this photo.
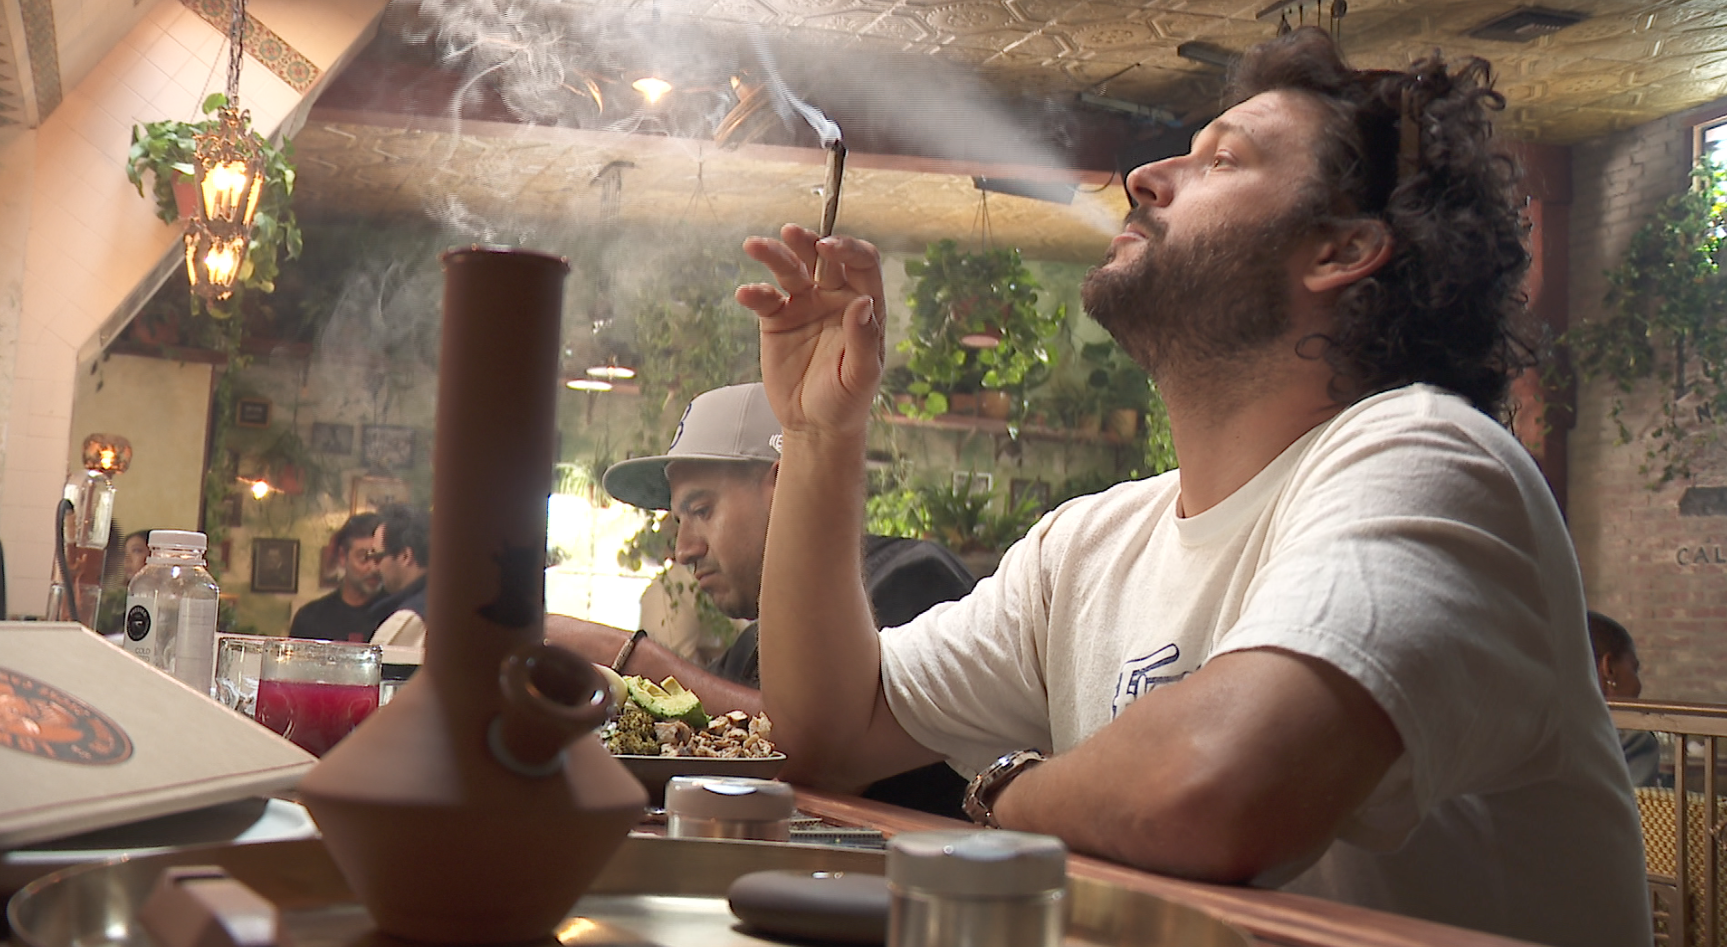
(332, 438)
(370, 493)
(1020, 489)
(387, 447)
(276, 565)
(252, 412)
(230, 508)
(973, 482)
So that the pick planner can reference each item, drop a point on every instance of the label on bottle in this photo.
(141, 633)
(195, 662)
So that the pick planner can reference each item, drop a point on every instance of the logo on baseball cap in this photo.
(732, 423)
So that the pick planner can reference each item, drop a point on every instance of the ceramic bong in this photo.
(476, 806)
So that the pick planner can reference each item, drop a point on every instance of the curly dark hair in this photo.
(1445, 308)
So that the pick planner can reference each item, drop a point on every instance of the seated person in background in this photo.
(125, 559)
(1342, 649)
(718, 479)
(346, 614)
(134, 551)
(404, 556)
(1617, 667)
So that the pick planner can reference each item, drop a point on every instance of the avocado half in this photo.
(667, 700)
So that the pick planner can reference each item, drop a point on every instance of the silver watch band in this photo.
(980, 795)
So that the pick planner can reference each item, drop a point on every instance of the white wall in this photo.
(77, 240)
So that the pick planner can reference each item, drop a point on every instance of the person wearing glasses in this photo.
(346, 613)
(404, 555)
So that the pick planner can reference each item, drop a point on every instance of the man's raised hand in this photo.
(822, 346)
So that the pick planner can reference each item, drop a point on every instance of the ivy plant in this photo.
(166, 150)
(691, 336)
(958, 294)
(1664, 325)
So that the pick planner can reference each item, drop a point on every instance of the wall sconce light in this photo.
(108, 453)
(612, 371)
(652, 88)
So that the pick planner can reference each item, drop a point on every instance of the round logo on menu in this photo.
(42, 720)
(137, 623)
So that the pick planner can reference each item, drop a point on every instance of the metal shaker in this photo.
(728, 807)
(972, 888)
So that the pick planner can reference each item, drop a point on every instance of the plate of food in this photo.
(661, 730)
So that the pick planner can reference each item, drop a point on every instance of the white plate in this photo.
(655, 771)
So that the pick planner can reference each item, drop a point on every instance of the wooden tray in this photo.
(656, 891)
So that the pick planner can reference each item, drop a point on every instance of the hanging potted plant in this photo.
(166, 149)
(976, 327)
(1122, 388)
(1664, 324)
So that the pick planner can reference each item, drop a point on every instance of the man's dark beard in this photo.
(1223, 293)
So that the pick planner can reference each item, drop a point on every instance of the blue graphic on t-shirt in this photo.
(1137, 679)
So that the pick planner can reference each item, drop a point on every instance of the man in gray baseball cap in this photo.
(717, 478)
(732, 424)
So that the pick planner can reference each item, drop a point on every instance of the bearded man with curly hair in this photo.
(1340, 650)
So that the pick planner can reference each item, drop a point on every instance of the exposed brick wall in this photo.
(1629, 537)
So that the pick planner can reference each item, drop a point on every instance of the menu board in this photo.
(91, 737)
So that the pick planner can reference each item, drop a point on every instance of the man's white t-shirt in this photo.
(1411, 543)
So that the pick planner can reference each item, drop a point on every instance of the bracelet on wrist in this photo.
(628, 649)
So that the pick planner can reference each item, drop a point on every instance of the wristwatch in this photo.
(980, 794)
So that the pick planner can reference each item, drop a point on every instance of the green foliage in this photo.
(1116, 378)
(218, 474)
(166, 150)
(1665, 323)
(692, 336)
(1159, 453)
(895, 512)
(655, 542)
(957, 294)
(950, 513)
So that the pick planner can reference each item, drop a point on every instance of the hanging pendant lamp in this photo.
(228, 167)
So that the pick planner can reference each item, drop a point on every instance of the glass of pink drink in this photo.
(315, 692)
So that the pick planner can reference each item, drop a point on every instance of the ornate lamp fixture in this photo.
(229, 170)
(107, 453)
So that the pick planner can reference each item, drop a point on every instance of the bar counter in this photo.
(291, 872)
(1270, 917)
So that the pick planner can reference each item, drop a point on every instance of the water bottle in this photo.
(171, 609)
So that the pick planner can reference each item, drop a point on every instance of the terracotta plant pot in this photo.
(995, 404)
(962, 403)
(476, 806)
(290, 480)
(185, 196)
(1088, 423)
(1123, 423)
